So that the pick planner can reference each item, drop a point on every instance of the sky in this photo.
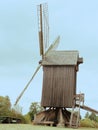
(76, 21)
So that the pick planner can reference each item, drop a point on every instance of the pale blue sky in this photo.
(76, 21)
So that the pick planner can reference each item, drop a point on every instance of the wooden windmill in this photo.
(59, 76)
(59, 79)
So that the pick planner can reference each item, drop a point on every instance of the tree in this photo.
(92, 116)
(34, 109)
(87, 115)
(6, 110)
(5, 106)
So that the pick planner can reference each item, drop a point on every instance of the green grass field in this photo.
(32, 127)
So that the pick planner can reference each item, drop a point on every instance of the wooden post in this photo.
(61, 122)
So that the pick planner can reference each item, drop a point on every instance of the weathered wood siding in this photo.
(59, 86)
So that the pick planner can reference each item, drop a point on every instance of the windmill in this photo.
(59, 80)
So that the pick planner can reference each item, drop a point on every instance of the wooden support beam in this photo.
(88, 108)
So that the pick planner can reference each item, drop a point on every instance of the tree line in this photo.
(35, 107)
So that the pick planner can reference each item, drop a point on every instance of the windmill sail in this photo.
(25, 88)
(40, 26)
(43, 27)
(54, 45)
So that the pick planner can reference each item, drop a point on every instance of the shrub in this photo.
(88, 123)
(27, 119)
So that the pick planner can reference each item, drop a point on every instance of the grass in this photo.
(32, 127)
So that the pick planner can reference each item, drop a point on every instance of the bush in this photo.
(27, 119)
(88, 123)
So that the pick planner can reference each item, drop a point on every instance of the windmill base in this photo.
(59, 117)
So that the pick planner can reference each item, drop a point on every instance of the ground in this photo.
(32, 127)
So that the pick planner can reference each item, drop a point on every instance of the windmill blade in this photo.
(27, 85)
(43, 27)
(40, 27)
(54, 45)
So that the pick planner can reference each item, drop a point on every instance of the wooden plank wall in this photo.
(59, 86)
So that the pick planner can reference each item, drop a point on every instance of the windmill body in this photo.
(59, 78)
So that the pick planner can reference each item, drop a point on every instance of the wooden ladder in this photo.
(78, 99)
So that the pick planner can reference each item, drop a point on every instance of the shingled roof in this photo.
(61, 58)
